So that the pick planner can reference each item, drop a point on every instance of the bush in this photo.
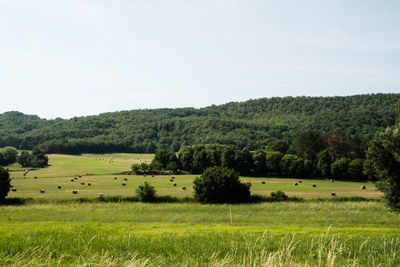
(4, 183)
(146, 192)
(221, 185)
(279, 196)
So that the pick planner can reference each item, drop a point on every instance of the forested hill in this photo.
(253, 123)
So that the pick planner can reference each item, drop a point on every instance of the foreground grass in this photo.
(269, 234)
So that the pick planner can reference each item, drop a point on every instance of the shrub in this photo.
(4, 183)
(221, 185)
(146, 192)
(279, 196)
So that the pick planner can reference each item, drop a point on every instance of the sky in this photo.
(81, 57)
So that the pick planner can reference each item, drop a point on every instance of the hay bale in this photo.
(89, 184)
(333, 194)
(314, 185)
(123, 184)
(183, 187)
(59, 187)
(174, 184)
(14, 189)
(363, 187)
(42, 191)
(263, 182)
(295, 184)
(101, 195)
(75, 191)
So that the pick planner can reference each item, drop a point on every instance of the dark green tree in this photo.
(356, 167)
(324, 163)
(340, 168)
(272, 161)
(5, 183)
(221, 185)
(9, 155)
(259, 163)
(383, 153)
(292, 165)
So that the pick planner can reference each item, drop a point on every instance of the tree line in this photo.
(312, 154)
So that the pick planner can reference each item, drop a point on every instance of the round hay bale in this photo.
(82, 183)
(59, 187)
(333, 194)
(314, 185)
(75, 191)
(123, 184)
(331, 180)
(183, 187)
(363, 187)
(101, 195)
(295, 184)
(263, 182)
(174, 184)
(14, 189)
(42, 191)
(89, 184)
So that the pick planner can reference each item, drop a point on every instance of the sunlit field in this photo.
(100, 172)
(53, 230)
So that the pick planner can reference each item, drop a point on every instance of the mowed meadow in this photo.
(102, 172)
(313, 232)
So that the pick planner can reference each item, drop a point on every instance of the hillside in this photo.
(252, 123)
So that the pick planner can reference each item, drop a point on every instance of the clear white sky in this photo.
(75, 57)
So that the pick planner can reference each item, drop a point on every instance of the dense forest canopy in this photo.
(253, 124)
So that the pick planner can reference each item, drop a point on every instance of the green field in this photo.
(309, 233)
(100, 172)
(190, 234)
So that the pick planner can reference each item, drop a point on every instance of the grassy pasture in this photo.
(92, 164)
(100, 172)
(190, 234)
